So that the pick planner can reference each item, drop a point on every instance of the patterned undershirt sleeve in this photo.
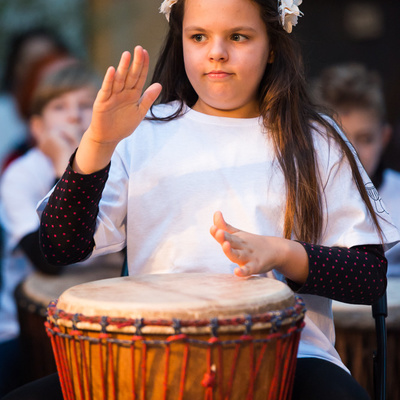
(354, 275)
(69, 219)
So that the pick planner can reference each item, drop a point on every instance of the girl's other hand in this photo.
(257, 254)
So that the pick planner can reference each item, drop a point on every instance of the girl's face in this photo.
(226, 50)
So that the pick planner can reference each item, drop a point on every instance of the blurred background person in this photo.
(25, 49)
(355, 95)
(37, 70)
(60, 112)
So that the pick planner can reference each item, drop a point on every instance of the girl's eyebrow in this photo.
(235, 29)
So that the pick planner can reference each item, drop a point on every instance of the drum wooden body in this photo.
(176, 336)
(356, 340)
(33, 296)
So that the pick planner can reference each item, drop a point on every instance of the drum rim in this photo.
(270, 319)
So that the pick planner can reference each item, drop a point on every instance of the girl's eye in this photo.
(237, 37)
(198, 37)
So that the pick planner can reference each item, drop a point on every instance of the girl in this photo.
(236, 132)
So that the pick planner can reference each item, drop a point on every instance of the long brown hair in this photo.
(287, 112)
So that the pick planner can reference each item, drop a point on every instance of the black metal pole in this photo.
(380, 312)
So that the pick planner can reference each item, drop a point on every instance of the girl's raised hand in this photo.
(257, 254)
(118, 109)
(120, 105)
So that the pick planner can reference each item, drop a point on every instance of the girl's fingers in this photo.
(150, 96)
(122, 71)
(242, 272)
(107, 85)
(218, 234)
(235, 255)
(137, 75)
(219, 220)
(221, 223)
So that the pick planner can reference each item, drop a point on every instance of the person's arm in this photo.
(355, 275)
(68, 221)
(30, 246)
(351, 275)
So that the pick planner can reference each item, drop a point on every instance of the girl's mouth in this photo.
(218, 74)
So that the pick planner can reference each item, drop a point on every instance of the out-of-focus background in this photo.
(330, 32)
(98, 30)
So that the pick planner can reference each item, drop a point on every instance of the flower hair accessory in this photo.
(166, 6)
(289, 13)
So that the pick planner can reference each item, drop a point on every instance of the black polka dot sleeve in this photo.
(354, 275)
(69, 219)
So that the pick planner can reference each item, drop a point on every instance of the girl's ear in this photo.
(271, 57)
(36, 126)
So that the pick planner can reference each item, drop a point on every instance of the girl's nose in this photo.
(218, 51)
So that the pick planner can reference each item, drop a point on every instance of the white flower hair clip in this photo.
(166, 6)
(289, 13)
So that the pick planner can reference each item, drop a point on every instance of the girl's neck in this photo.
(249, 111)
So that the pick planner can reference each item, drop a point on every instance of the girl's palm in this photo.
(120, 106)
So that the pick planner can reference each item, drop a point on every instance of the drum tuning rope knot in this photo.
(139, 325)
(214, 327)
(176, 324)
(248, 324)
(209, 378)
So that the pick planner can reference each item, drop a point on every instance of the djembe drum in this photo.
(33, 296)
(176, 336)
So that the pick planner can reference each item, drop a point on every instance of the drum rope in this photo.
(102, 337)
(272, 317)
(74, 336)
(67, 394)
(233, 370)
(213, 380)
(285, 350)
(85, 370)
(295, 345)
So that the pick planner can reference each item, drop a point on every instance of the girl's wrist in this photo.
(293, 261)
(92, 156)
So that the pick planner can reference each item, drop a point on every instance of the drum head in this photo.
(177, 296)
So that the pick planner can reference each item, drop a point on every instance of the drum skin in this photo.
(356, 340)
(33, 296)
(176, 336)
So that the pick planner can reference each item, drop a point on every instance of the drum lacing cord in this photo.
(138, 337)
(176, 337)
(285, 351)
(57, 343)
(210, 378)
(82, 383)
(103, 336)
